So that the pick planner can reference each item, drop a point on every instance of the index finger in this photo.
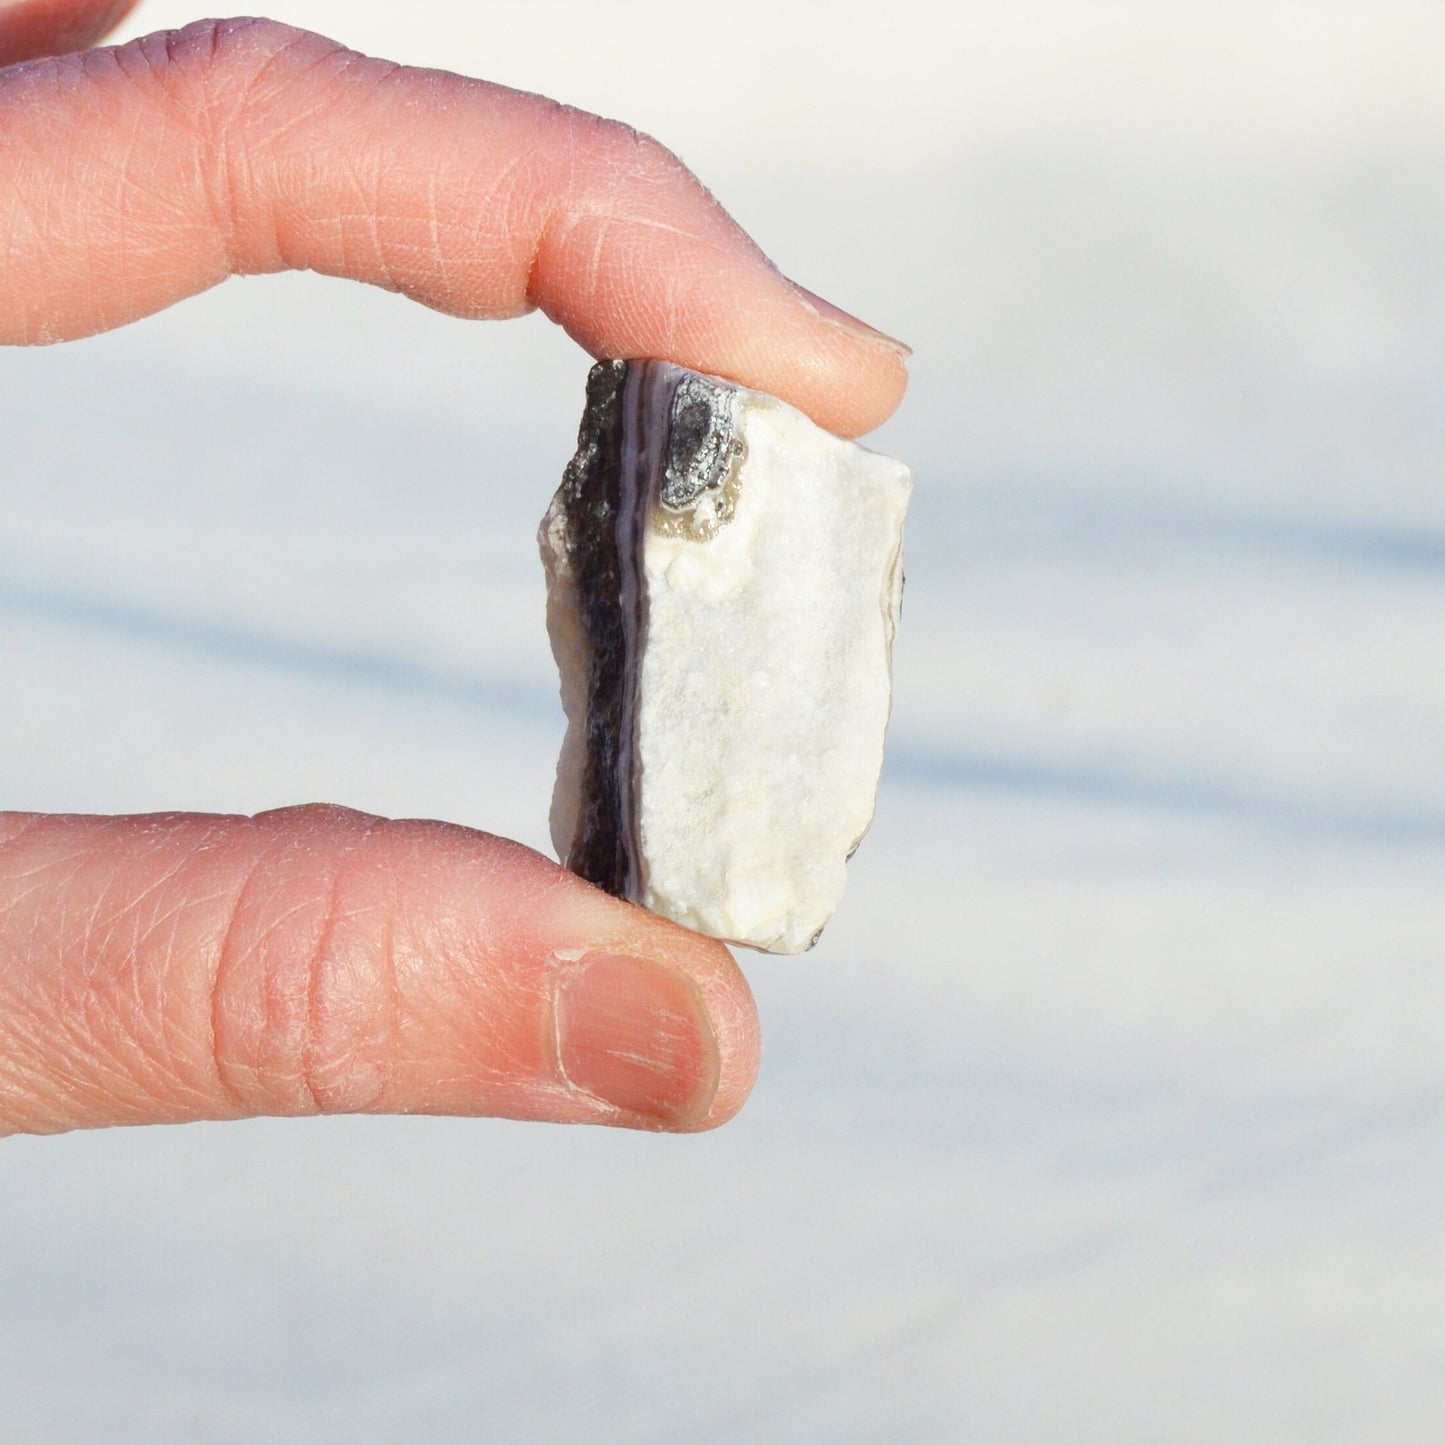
(134, 176)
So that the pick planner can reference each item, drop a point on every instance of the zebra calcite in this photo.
(724, 581)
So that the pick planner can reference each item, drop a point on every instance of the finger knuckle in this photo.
(629, 151)
(302, 1005)
(232, 83)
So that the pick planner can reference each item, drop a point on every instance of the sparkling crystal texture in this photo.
(724, 581)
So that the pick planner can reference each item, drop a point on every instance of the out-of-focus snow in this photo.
(1111, 1106)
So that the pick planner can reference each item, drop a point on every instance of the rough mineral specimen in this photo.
(724, 581)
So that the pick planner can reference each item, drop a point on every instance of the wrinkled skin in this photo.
(314, 960)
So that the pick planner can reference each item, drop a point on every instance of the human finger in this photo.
(137, 175)
(178, 967)
(29, 28)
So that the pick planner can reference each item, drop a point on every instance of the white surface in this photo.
(1111, 1106)
(765, 685)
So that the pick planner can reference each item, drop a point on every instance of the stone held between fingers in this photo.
(724, 583)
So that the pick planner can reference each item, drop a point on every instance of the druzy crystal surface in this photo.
(724, 580)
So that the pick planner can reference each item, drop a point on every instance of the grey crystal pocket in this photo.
(724, 580)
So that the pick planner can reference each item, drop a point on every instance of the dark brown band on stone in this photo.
(592, 488)
(658, 448)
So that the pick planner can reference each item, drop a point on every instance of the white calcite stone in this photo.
(724, 581)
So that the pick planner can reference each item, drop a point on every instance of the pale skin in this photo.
(177, 967)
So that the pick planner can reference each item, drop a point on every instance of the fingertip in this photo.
(636, 259)
(733, 1016)
(655, 1025)
(771, 336)
(739, 1052)
(759, 330)
(872, 369)
(854, 383)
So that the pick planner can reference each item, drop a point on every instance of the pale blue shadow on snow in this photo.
(1085, 527)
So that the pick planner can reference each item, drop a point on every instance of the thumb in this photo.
(177, 967)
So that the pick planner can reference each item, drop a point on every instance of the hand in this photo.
(314, 960)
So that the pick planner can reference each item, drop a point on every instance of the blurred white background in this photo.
(1112, 1105)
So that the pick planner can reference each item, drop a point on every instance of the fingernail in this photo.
(635, 1034)
(846, 321)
